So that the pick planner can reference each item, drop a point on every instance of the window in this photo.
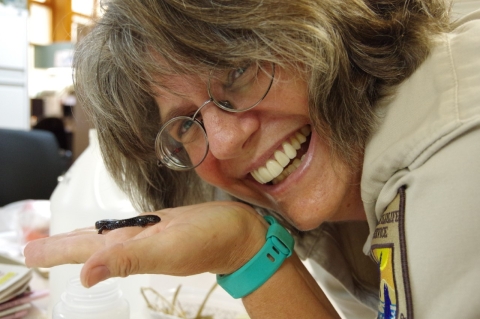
(40, 22)
(59, 20)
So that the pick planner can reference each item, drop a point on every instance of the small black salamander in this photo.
(110, 224)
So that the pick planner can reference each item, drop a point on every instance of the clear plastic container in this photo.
(102, 301)
(86, 194)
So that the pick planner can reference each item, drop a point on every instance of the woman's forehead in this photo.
(174, 92)
(181, 85)
(173, 78)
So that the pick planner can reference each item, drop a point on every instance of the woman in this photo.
(355, 122)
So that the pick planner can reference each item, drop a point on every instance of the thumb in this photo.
(136, 256)
(114, 261)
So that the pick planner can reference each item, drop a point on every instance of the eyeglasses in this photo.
(182, 142)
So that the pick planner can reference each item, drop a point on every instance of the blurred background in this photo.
(43, 130)
(37, 38)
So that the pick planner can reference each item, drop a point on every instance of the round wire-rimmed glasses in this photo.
(182, 142)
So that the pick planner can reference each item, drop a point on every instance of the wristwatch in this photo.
(278, 247)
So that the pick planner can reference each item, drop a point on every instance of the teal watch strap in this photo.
(279, 246)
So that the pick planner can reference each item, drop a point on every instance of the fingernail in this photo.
(97, 274)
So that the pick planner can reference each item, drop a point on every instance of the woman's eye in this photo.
(181, 129)
(237, 75)
(184, 127)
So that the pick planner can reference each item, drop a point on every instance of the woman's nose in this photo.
(228, 132)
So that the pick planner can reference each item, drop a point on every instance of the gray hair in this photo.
(352, 53)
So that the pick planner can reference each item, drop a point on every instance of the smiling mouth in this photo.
(285, 161)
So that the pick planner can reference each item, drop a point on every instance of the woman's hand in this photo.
(217, 237)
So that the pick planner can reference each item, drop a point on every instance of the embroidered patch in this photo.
(389, 251)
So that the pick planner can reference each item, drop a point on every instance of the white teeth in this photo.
(265, 174)
(274, 167)
(281, 158)
(289, 150)
(297, 162)
(295, 143)
(278, 179)
(257, 177)
(277, 169)
(301, 138)
(306, 130)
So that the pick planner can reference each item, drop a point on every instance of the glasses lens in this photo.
(240, 89)
(182, 143)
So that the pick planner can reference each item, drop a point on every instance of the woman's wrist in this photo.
(278, 245)
(249, 243)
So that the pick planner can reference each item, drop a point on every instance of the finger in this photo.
(157, 253)
(62, 236)
(73, 233)
(71, 248)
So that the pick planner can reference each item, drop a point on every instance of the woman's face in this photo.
(243, 145)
